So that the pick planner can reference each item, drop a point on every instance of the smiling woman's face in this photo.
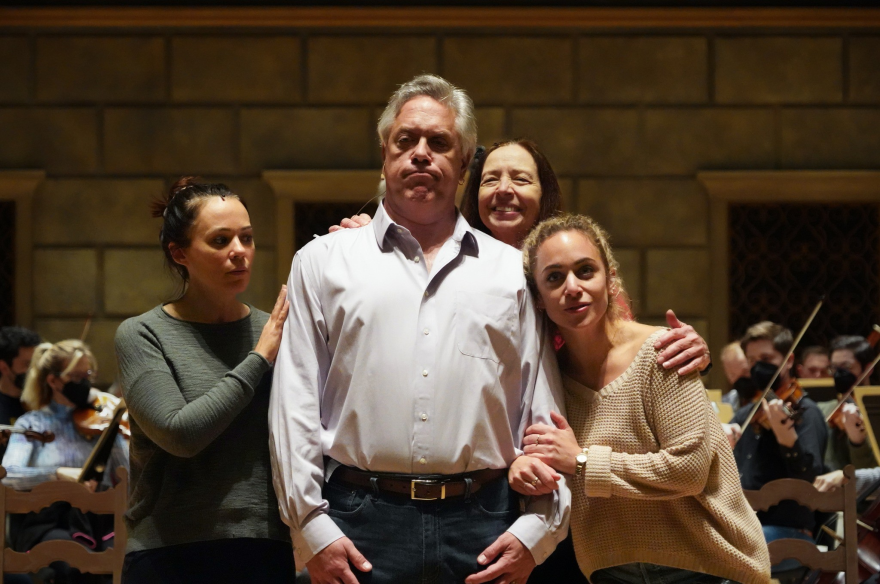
(510, 193)
(572, 280)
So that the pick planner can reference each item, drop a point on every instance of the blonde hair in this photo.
(59, 359)
(732, 351)
(587, 227)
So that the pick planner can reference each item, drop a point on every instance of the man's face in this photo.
(422, 161)
(763, 350)
(814, 366)
(846, 359)
(20, 364)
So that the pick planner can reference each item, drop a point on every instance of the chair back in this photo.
(845, 557)
(110, 502)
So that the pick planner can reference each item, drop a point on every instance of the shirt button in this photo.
(426, 331)
(423, 460)
(427, 293)
(424, 417)
(400, 230)
(416, 260)
(424, 373)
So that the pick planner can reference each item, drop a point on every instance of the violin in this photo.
(92, 420)
(791, 395)
(6, 431)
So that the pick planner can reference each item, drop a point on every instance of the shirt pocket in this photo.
(484, 325)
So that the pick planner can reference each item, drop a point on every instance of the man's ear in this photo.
(5, 369)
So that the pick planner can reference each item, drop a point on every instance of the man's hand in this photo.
(529, 476)
(682, 346)
(780, 423)
(830, 481)
(331, 564)
(513, 566)
(855, 427)
(356, 221)
(556, 446)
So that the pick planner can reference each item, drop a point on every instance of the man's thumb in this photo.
(357, 558)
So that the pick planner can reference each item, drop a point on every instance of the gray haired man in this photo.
(412, 362)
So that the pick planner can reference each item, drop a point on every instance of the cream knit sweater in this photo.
(661, 485)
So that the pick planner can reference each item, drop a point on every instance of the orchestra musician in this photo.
(58, 384)
(196, 375)
(778, 446)
(656, 497)
(17, 346)
(847, 439)
(813, 363)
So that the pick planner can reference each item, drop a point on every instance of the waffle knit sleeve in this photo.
(675, 411)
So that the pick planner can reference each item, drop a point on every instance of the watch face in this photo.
(581, 458)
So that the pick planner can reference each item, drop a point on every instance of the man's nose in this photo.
(421, 152)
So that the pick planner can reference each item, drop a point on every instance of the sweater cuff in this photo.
(531, 530)
(597, 474)
(314, 536)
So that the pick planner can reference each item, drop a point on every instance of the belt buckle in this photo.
(412, 490)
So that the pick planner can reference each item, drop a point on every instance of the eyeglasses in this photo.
(77, 376)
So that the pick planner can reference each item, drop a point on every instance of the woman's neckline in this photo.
(617, 381)
(250, 312)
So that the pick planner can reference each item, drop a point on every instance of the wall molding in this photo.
(530, 19)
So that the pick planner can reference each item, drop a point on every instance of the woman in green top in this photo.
(196, 375)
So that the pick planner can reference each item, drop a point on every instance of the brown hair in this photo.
(777, 334)
(551, 198)
(179, 210)
(589, 229)
(56, 359)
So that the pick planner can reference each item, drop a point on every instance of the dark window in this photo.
(7, 263)
(312, 219)
(784, 257)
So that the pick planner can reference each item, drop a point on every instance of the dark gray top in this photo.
(198, 399)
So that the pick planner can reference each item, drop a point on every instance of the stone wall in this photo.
(627, 119)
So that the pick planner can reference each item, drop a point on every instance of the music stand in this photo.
(868, 399)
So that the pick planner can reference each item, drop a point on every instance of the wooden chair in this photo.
(845, 557)
(111, 502)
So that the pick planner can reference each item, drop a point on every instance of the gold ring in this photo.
(536, 481)
(538, 441)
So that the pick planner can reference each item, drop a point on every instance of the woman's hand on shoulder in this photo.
(555, 446)
(270, 338)
(355, 222)
(682, 347)
(529, 476)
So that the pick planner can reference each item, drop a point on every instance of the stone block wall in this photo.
(626, 118)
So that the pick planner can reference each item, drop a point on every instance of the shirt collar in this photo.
(463, 234)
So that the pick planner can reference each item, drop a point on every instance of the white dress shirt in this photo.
(386, 367)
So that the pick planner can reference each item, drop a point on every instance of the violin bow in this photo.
(782, 365)
(86, 328)
(858, 382)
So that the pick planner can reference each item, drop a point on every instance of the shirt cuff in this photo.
(314, 536)
(531, 530)
(597, 473)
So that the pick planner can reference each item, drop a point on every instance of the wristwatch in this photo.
(580, 463)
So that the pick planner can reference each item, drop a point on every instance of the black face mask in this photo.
(746, 389)
(843, 380)
(18, 381)
(762, 372)
(77, 392)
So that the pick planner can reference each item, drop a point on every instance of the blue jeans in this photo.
(774, 532)
(639, 573)
(421, 542)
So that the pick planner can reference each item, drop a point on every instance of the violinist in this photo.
(847, 440)
(813, 363)
(16, 349)
(58, 382)
(779, 446)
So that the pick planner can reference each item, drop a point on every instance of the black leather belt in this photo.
(417, 487)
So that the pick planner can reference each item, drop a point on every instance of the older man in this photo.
(411, 364)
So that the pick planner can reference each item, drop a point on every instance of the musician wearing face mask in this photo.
(774, 445)
(16, 349)
(847, 440)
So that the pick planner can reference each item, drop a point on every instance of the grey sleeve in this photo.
(865, 478)
(155, 402)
